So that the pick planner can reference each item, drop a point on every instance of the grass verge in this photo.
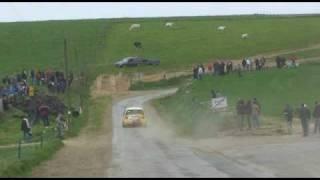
(190, 109)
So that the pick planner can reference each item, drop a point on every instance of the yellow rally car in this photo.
(134, 116)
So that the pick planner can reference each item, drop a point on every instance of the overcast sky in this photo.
(62, 10)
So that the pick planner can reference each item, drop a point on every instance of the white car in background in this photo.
(133, 117)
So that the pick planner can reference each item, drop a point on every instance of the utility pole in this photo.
(66, 73)
(81, 84)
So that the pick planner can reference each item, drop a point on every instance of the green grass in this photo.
(10, 128)
(40, 44)
(99, 109)
(101, 42)
(305, 54)
(197, 41)
(273, 89)
(11, 166)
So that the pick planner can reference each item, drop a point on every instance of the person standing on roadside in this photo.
(26, 128)
(200, 72)
(60, 125)
(44, 113)
(316, 116)
(244, 64)
(195, 72)
(248, 112)
(240, 113)
(288, 113)
(255, 111)
(304, 114)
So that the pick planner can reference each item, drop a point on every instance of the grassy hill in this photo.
(197, 40)
(193, 40)
(40, 44)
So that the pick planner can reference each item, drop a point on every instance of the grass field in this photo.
(10, 128)
(100, 43)
(304, 54)
(11, 166)
(273, 89)
(196, 41)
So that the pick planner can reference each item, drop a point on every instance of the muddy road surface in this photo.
(152, 151)
(155, 151)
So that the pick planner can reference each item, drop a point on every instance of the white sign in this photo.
(219, 103)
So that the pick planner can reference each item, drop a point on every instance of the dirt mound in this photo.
(110, 84)
(120, 83)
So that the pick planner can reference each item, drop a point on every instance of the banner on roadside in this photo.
(219, 103)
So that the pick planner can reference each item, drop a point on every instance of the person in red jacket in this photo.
(44, 114)
(209, 67)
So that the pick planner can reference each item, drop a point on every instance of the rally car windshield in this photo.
(134, 111)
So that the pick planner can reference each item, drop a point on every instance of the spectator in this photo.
(288, 113)
(316, 116)
(248, 64)
(31, 91)
(60, 125)
(70, 79)
(256, 102)
(239, 70)
(257, 63)
(200, 72)
(26, 129)
(248, 112)
(1, 104)
(203, 69)
(304, 114)
(32, 76)
(244, 64)
(44, 114)
(5, 102)
(38, 77)
(32, 111)
(209, 67)
(255, 114)
(216, 68)
(262, 62)
(278, 62)
(195, 72)
(229, 67)
(241, 113)
(222, 68)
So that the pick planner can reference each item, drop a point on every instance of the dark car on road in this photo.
(129, 61)
(150, 62)
(135, 61)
